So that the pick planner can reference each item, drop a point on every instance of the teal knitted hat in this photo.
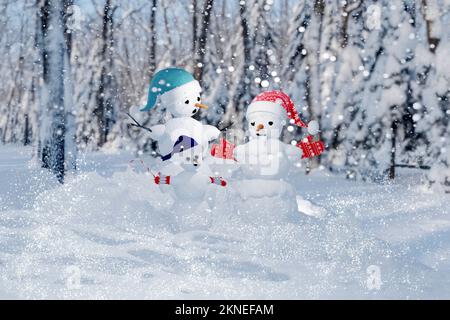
(164, 81)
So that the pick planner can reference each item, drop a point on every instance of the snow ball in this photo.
(290, 128)
(200, 65)
(241, 2)
(273, 73)
(294, 142)
(385, 75)
(416, 117)
(218, 70)
(412, 36)
(154, 89)
(301, 29)
(257, 80)
(267, 7)
(333, 58)
(366, 73)
(231, 69)
(270, 2)
(277, 79)
(417, 106)
(304, 52)
(265, 83)
(361, 68)
(313, 127)
(251, 68)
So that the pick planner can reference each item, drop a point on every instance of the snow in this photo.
(107, 233)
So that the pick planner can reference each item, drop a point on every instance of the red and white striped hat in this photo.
(271, 102)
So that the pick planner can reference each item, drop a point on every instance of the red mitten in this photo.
(162, 179)
(310, 147)
(219, 181)
(224, 150)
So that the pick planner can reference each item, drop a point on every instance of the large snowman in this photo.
(266, 164)
(180, 93)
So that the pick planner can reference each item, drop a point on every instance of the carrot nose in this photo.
(259, 127)
(202, 106)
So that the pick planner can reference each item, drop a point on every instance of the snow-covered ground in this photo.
(109, 228)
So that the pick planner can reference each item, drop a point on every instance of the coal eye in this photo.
(270, 123)
(253, 124)
(187, 102)
(198, 98)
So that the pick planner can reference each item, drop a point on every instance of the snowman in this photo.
(179, 92)
(266, 164)
(193, 190)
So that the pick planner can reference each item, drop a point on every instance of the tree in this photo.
(152, 54)
(106, 94)
(201, 42)
(53, 112)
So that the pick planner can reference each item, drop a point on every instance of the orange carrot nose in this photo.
(259, 127)
(202, 106)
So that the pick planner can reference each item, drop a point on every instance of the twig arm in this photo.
(137, 124)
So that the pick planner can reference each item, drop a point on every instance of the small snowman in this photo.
(179, 92)
(266, 164)
(194, 189)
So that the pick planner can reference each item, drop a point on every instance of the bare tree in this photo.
(105, 93)
(152, 55)
(53, 116)
(202, 40)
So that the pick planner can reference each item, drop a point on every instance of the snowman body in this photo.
(166, 134)
(265, 166)
(266, 158)
(265, 193)
(190, 209)
(193, 193)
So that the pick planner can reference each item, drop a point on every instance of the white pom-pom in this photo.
(313, 127)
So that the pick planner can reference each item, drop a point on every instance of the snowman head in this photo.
(178, 91)
(184, 101)
(269, 112)
(265, 124)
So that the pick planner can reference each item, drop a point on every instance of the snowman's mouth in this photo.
(261, 134)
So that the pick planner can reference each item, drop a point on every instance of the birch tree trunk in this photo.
(53, 113)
